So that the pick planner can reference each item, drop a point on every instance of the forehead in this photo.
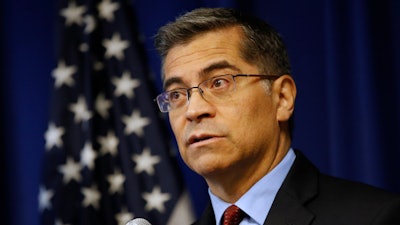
(202, 52)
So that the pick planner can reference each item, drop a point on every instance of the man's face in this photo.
(235, 135)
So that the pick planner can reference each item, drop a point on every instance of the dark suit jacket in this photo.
(308, 197)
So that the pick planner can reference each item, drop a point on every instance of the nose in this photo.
(198, 107)
(190, 90)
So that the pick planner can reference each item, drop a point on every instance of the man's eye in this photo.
(176, 95)
(219, 83)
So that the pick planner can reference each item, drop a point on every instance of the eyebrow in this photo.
(217, 66)
(172, 80)
(223, 64)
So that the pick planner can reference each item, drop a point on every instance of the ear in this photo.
(285, 91)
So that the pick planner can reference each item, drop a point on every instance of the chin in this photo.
(207, 161)
(208, 168)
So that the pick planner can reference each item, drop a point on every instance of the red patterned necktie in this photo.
(233, 215)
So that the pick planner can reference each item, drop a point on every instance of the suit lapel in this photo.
(207, 217)
(288, 211)
(299, 187)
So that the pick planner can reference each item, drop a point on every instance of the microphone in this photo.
(138, 221)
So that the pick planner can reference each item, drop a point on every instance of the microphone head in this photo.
(138, 221)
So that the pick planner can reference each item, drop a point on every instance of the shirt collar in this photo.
(257, 201)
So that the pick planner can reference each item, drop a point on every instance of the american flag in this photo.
(107, 159)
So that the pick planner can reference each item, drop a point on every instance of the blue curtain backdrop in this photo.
(346, 62)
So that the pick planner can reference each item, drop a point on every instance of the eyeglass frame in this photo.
(159, 99)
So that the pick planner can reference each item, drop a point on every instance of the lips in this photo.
(198, 138)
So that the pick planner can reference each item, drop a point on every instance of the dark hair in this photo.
(261, 45)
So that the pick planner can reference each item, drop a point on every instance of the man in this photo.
(230, 99)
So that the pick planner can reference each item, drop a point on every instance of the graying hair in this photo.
(262, 45)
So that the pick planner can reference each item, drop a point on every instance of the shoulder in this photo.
(333, 198)
(356, 202)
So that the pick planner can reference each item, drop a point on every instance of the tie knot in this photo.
(233, 215)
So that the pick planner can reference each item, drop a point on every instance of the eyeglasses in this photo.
(216, 89)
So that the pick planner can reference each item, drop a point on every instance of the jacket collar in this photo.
(299, 187)
(207, 218)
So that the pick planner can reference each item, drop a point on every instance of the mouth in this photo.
(197, 139)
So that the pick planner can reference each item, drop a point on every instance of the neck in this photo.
(233, 183)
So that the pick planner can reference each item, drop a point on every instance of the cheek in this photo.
(251, 109)
(253, 117)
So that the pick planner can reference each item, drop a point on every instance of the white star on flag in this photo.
(70, 170)
(44, 198)
(108, 143)
(107, 9)
(90, 24)
(84, 47)
(98, 66)
(73, 13)
(145, 162)
(91, 197)
(124, 216)
(125, 85)
(63, 74)
(156, 199)
(53, 136)
(102, 105)
(116, 181)
(88, 156)
(115, 46)
(80, 110)
(135, 123)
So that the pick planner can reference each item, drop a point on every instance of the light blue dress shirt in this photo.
(257, 201)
